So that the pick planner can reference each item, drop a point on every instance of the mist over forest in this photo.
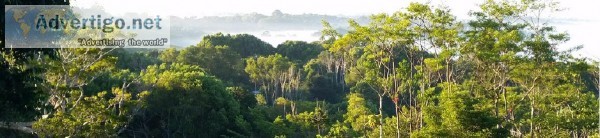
(274, 28)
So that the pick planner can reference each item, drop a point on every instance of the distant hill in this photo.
(188, 31)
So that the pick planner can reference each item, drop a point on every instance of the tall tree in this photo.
(277, 75)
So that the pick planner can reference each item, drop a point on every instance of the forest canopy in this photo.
(418, 72)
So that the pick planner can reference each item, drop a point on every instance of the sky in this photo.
(580, 18)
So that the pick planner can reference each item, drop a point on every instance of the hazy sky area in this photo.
(580, 19)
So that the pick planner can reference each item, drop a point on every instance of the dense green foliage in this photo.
(415, 73)
(244, 44)
(299, 51)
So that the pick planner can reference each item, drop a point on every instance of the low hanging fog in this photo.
(274, 29)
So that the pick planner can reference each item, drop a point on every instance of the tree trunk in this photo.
(531, 128)
(380, 116)
(397, 118)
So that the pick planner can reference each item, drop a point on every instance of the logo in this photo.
(54, 26)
